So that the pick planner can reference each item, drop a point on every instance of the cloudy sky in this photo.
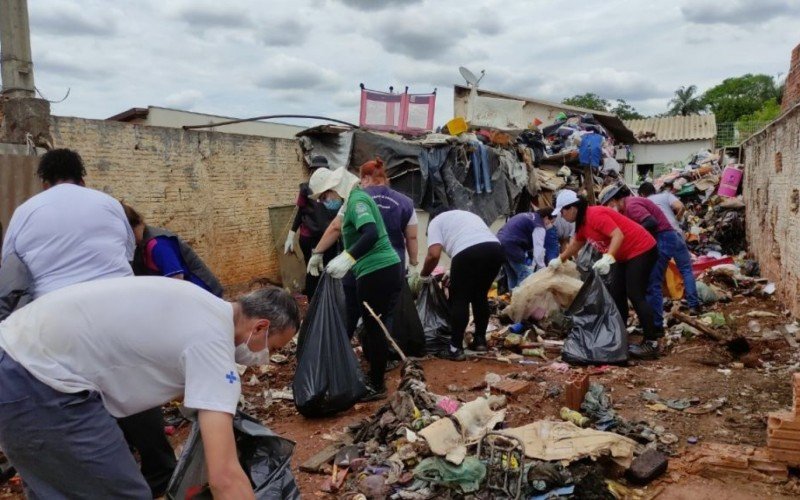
(247, 58)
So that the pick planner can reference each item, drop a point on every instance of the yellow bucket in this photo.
(457, 125)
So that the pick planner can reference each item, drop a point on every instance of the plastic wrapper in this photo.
(597, 333)
(435, 317)
(328, 378)
(264, 456)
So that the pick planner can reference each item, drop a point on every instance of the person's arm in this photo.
(368, 236)
(434, 254)
(15, 285)
(330, 236)
(650, 224)
(573, 247)
(538, 246)
(412, 245)
(226, 477)
(677, 207)
(616, 242)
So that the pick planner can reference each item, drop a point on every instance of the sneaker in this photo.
(457, 355)
(648, 349)
(478, 346)
(373, 393)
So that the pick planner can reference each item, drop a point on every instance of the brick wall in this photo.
(772, 196)
(792, 93)
(213, 189)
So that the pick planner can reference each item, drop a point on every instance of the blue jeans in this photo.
(516, 272)
(480, 167)
(670, 246)
(63, 445)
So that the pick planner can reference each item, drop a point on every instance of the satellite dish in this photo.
(470, 77)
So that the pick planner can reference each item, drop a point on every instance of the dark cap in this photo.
(318, 161)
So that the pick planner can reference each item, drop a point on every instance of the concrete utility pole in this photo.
(15, 45)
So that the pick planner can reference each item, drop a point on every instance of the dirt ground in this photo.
(753, 383)
(685, 372)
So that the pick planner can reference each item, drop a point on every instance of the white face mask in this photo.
(244, 356)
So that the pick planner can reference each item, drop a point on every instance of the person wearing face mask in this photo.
(77, 358)
(629, 254)
(375, 264)
(311, 219)
(671, 245)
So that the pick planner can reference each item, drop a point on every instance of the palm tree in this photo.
(686, 102)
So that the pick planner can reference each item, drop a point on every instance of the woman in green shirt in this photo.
(368, 251)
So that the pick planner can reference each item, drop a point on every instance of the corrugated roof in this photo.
(673, 128)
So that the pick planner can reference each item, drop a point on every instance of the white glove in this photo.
(603, 266)
(339, 266)
(288, 247)
(315, 264)
(554, 263)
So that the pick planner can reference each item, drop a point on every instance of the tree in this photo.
(587, 100)
(625, 111)
(740, 96)
(749, 124)
(685, 102)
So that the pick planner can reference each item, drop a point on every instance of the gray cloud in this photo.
(737, 12)
(62, 67)
(69, 20)
(285, 33)
(292, 74)
(221, 15)
(374, 5)
(418, 38)
(488, 23)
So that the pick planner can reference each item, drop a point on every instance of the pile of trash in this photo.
(420, 445)
(581, 135)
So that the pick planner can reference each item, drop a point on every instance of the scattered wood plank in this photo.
(325, 456)
(719, 335)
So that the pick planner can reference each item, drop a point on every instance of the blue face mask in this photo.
(332, 204)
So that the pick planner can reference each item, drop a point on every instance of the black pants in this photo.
(145, 433)
(307, 244)
(380, 289)
(471, 275)
(629, 281)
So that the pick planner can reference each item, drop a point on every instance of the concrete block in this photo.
(647, 466)
(575, 389)
(789, 457)
(783, 420)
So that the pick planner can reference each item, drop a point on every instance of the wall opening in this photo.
(778, 162)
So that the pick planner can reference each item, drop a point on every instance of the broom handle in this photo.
(385, 331)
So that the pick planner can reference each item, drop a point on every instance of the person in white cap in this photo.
(377, 268)
(629, 254)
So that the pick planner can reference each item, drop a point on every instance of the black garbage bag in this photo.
(328, 378)
(435, 317)
(597, 332)
(407, 328)
(587, 256)
(264, 456)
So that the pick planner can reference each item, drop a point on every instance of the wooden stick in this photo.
(386, 332)
(705, 330)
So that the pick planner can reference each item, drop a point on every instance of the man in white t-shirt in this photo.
(476, 257)
(76, 358)
(69, 233)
